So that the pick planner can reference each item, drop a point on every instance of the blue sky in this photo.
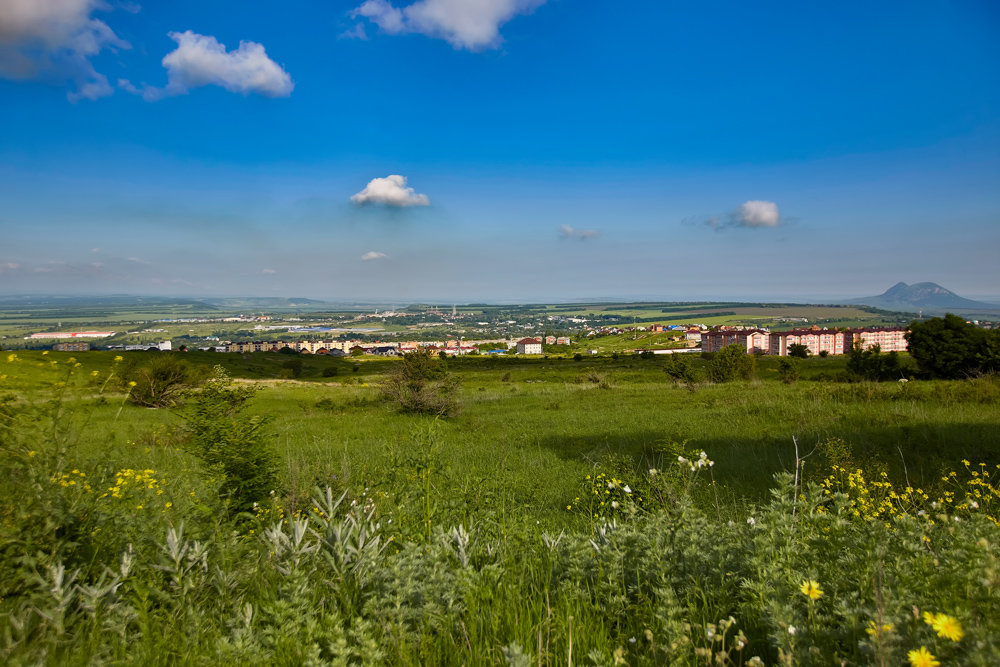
(516, 150)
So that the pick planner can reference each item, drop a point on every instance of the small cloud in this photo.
(137, 260)
(95, 250)
(97, 265)
(369, 256)
(567, 232)
(468, 24)
(268, 272)
(200, 60)
(9, 266)
(390, 191)
(752, 214)
(756, 213)
(42, 269)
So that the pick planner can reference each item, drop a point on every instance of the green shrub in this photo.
(420, 383)
(159, 380)
(731, 363)
(230, 444)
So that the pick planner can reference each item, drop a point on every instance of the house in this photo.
(563, 340)
(550, 340)
(529, 346)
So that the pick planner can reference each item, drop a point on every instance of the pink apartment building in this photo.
(816, 340)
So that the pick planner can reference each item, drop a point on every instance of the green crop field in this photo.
(591, 511)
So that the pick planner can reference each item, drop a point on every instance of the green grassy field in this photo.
(524, 467)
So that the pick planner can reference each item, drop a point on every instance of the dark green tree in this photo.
(798, 350)
(950, 347)
(732, 363)
(788, 371)
(872, 364)
(678, 367)
(420, 383)
(230, 444)
(157, 381)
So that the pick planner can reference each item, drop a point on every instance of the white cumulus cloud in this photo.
(568, 232)
(391, 191)
(268, 272)
(756, 213)
(752, 214)
(369, 256)
(200, 60)
(55, 39)
(465, 24)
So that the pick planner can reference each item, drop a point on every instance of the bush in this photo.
(731, 363)
(679, 367)
(230, 444)
(798, 350)
(158, 382)
(871, 364)
(788, 371)
(420, 383)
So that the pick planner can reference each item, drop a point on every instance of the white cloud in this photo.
(368, 256)
(200, 60)
(268, 272)
(465, 24)
(391, 191)
(9, 266)
(756, 213)
(752, 214)
(567, 232)
(55, 39)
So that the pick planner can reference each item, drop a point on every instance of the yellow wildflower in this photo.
(922, 658)
(944, 625)
(810, 588)
(118, 358)
(877, 630)
(131, 383)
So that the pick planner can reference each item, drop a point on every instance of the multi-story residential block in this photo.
(817, 340)
(888, 340)
(752, 340)
(529, 346)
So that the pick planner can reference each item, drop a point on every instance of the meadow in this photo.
(591, 511)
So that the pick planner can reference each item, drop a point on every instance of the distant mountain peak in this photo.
(925, 296)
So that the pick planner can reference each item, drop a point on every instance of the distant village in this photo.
(686, 339)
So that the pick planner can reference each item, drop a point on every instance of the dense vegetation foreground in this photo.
(494, 511)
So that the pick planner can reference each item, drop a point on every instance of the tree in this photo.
(679, 367)
(788, 371)
(798, 350)
(159, 382)
(230, 444)
(420, 383)
(871, 364)
(732, 363)
(949, 347)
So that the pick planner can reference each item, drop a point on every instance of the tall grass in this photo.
(401, 539)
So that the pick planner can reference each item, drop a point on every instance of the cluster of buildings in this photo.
(816, 340)
(345, 347)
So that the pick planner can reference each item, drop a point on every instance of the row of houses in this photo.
(345, 347)
(816, 340)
